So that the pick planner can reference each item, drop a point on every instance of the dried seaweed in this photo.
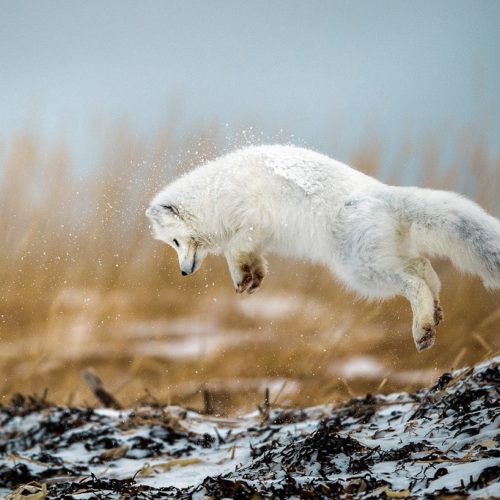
(353, 451)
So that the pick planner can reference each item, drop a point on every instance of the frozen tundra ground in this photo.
(442, 441)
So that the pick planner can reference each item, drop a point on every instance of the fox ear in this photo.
(158, 211)
(171, 208)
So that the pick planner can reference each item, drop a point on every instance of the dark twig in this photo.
(94, 383)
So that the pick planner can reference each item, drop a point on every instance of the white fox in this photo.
(300, 203)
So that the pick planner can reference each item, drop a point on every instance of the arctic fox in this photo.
(300, 203)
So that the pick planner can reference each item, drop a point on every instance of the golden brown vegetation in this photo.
(84, 286)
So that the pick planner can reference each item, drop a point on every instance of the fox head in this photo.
(173, 227)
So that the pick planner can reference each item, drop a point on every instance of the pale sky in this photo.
(314, 69)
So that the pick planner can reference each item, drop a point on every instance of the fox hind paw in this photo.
(438, 313)
(426, 339)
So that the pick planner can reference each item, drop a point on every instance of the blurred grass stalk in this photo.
(78, 265)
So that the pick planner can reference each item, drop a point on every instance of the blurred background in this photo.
(102, 103)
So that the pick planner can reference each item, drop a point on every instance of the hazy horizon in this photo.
(327, 75)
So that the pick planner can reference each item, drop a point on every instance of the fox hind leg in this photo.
(421, 298)
(405, 278)
(382, 262)
(422, 268)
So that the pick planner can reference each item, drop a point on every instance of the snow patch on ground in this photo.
(442, 440)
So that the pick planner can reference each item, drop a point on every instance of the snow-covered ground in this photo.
(442, 440)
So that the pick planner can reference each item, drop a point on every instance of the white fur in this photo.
(299, 203)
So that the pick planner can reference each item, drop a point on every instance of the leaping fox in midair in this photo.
(375, 238)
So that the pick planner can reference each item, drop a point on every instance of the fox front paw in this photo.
(245, 280)
(257, 277)
(250, 278)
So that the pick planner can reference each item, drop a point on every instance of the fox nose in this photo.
(184, 273)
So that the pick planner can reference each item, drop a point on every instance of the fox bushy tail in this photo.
(446, 224)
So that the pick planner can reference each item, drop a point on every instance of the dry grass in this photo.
(83, 285)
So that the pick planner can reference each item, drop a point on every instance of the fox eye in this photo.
(176, 243)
